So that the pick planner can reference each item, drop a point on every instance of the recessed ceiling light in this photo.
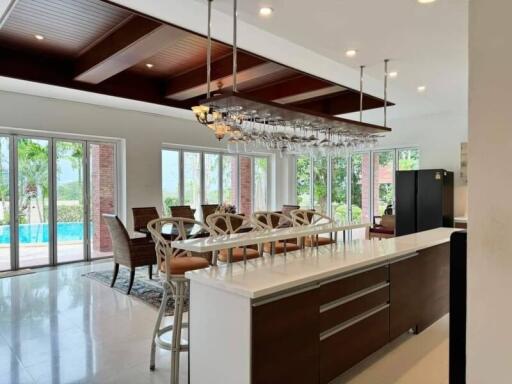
(39, 37)
(351, 53)
(422, 88)
(149, 65)
(393, 74)
(426, 1)
(266, 11)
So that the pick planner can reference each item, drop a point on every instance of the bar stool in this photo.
(173, 263)
(227, 224)
(311, 217)
(275, 220)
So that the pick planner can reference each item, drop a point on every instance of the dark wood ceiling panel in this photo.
(186, 54)
(69, 26)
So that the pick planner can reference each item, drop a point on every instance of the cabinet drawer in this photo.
(344, 349)
(346, 286)
(347, 310)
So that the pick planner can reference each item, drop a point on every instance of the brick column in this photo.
(102, 193)
(245, 185)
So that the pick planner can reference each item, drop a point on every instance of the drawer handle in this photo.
(384, 264)
(349, 323)
(356, 295)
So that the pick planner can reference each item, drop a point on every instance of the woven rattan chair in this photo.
(275, 220)
(184, 211)
(208, 209)
(142, 216)
(227, 224)
(173, 263)
(311, 217)
(131, 253)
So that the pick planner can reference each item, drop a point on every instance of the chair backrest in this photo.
(388, 221)
(229, 223)
(183, 211)
(164, 251)
(309, 217)
(142, 216)
(287, 209)
(120, 237)
(271, 220)
(208, 209)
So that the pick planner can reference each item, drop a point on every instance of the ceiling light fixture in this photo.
(351, 53)
(422, 88)
(149, 65)
(266, 11)
(426, 1)
(39, 37)
(393, 74)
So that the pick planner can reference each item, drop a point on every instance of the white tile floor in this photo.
(57, 327)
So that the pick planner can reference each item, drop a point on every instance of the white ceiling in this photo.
(427, 43)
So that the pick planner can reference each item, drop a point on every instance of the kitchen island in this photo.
(311, 315)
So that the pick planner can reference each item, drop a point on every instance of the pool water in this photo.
(38, 233)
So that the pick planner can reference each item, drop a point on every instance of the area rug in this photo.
(149, 291)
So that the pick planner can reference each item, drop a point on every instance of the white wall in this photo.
(438, 137)
(143, 135)
(489, 349)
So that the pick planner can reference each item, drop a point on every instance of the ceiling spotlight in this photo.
(393, 74)
(422, 88)
(351, 53)
(266, 11)
(39, 37)
(426, 1)
(149, 65)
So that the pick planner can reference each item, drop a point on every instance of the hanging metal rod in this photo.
(209, 51)
(235, 61)
(386, 92)
(361, 93)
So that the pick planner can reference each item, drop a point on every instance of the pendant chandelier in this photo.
(255, 125)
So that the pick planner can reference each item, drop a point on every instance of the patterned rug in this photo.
(149, 291)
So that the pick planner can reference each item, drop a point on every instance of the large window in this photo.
(353, 188)
(214, 178)
(408, 159)
(383, 181)
(303, 178)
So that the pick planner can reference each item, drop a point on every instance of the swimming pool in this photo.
(38, 233)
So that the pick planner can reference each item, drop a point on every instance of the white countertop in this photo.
(461, 219)
(270, 275)
(215, 243)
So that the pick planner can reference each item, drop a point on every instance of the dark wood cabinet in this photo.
(285, 341)
(420, 289)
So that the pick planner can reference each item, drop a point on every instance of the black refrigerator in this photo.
(424, 200)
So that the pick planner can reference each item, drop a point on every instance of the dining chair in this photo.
(275, 220)
(208, 209)
(287, 209)
(142, 216)
(184, 211)
(227, 224)
(131, 253)
(312, 217)
(173, 263)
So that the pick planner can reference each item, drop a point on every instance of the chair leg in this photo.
(161, 313)
(114, 276)
(150, 271)
(132, 277)
(176, 332)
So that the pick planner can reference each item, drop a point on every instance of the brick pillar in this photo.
(102, 193)
(245, 185)
(365, 188)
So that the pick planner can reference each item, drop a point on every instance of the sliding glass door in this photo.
(33, 198)
(70, 208)
(53, 193)
(5, 204)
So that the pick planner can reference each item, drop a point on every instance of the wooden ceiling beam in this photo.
(294, 89)
(340, 102)
(136, 40)
(193, 83)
